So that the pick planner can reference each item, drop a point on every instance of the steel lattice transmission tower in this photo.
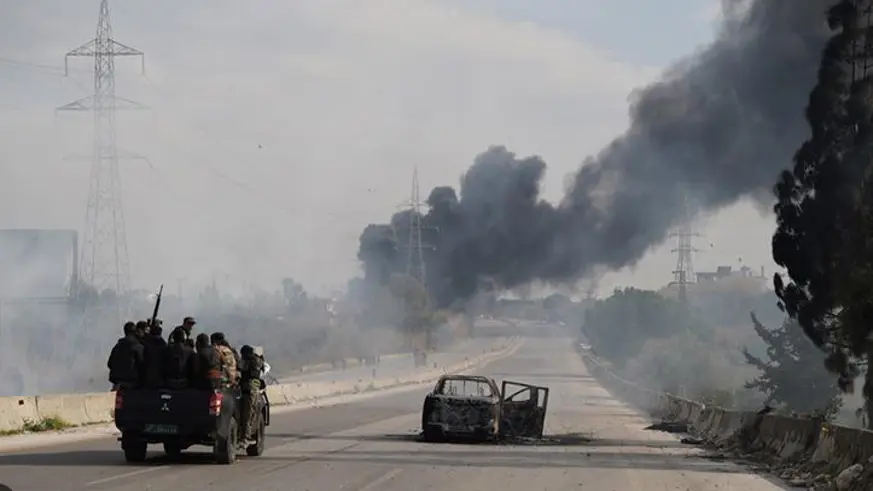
(104, 262)
(415, 245)
(415, 266)
(683, 275)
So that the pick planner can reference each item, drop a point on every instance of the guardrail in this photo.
(807, 450)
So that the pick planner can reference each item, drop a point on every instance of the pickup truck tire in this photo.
(429, 433)
(432, 434)
(225, 448)
(257, 449)
(134, 450)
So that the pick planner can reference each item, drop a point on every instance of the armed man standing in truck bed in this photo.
(229, 359)
(186, 327)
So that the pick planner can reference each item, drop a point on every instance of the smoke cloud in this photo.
(717, 127)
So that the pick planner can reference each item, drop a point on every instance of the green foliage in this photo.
(557, 301)
(50, 423)
(294, 294)
(620, 325)
(413, 301)
(793, 374)
(818, 238)
(702, 368)
(731, 308)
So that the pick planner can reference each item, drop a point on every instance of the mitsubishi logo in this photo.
(165, 408)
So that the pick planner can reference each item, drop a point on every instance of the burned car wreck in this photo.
(469, 406)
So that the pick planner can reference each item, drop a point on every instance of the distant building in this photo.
(725, 279)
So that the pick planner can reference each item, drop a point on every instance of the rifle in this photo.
(157, 306)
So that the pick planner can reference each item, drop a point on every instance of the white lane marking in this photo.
(124, 476)
(382, 479)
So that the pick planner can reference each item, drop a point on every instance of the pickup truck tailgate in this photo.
(165, 411)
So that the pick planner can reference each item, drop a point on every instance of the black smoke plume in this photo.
(717, 127)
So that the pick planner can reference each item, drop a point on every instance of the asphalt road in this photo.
(593, 442)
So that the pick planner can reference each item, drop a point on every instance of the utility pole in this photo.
(104, 263)
(683, 275)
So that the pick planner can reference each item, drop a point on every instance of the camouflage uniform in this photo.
(250, 383)
(229, 370)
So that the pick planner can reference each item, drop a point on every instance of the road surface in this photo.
(593, 442)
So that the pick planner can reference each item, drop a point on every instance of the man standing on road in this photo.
(186, 327)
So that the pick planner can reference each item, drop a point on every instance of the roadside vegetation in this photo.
(43, 425)
(709, 355)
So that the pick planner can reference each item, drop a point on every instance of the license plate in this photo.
(161, 429)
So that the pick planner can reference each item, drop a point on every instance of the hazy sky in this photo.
(278, 129)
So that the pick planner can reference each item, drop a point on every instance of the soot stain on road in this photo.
(533, 458)
(669, 427)
(409, 437)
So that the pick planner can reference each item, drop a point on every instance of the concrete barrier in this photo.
(16, 412)
(829, 452)
(82, 409)
(351, 362)
(293, 393)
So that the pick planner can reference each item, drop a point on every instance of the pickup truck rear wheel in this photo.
(225, 448)
(257, 449)
(134, 450)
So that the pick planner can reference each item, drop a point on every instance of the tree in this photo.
(821, 235)
(294, 294)
(793, 374)
(418, 317)
(619, 326)
(692, 367)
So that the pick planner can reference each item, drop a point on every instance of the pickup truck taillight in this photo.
(119, 399)
(215, 403)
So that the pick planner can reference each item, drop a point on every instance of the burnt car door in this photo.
(522, 410)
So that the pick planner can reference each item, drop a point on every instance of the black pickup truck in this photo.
(181, 418)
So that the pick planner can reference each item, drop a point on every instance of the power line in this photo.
(52, 68)
(55, 70)
(239, 184)
(59, 71)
